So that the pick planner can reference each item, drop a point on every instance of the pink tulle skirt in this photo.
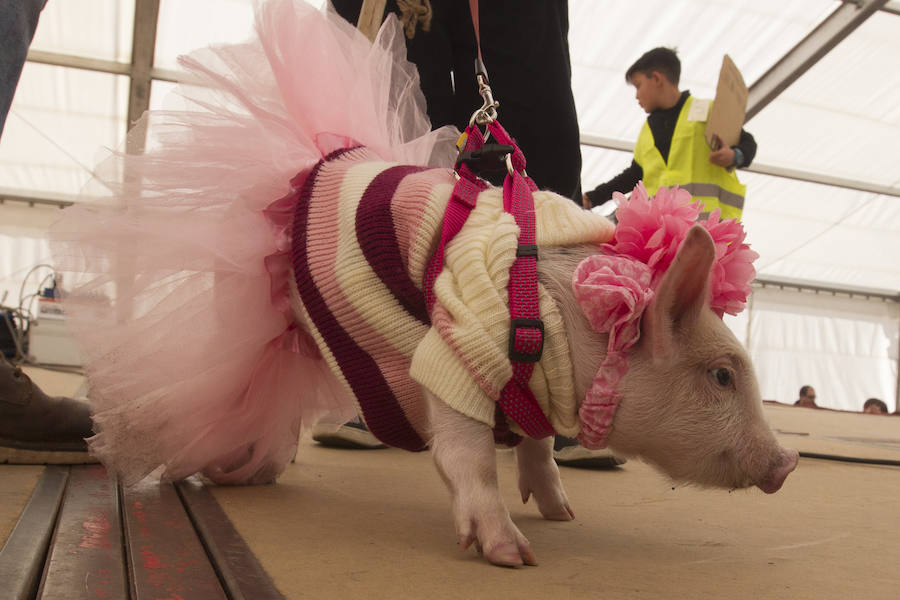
(175, 271)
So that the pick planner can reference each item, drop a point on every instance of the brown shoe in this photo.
(30, 420)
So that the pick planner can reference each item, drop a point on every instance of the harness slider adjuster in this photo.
(527, 250)
(524, 356)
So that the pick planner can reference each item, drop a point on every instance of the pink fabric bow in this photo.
(612, 291)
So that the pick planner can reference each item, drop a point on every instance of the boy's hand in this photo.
(724, 156)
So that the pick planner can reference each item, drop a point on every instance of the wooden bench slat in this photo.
(239, 570)
(164, 555)
(22, 557)
(85, 560)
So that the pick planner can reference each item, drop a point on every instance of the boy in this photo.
(672, 149)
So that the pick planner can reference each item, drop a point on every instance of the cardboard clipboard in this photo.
(726, 118)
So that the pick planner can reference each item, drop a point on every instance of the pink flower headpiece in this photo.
(615, 288)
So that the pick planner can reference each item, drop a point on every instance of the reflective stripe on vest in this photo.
(689, 167)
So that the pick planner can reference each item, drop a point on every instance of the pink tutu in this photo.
(176, 278)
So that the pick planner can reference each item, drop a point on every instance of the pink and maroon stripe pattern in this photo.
(378, 240)
(366, 312)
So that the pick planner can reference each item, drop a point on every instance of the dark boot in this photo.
(568, 452)
(31, 420)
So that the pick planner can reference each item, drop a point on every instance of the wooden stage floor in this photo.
(376, 524)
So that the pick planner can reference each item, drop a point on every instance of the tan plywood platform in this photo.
(376, 524)
(832, 432)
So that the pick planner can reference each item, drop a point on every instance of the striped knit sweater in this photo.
(363, 233)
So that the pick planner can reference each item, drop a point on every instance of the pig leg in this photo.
(539, 475)
(464, 454)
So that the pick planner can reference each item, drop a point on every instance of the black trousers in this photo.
(525, 48)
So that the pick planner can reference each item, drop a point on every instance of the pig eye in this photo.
(722, 376)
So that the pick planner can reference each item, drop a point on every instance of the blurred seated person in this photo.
(875, 407)
(807, 397)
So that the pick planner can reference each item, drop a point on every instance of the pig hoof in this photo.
(509, 554)
(544, 483)
(498, 540)
(466, 540)
(563, 513)
(557, 509)
(552, 502)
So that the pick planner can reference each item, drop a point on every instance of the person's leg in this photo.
(526, 51)
(33, 426)
(18, 21)
(430, 50)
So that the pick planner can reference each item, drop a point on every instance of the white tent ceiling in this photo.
(841, 119)
(838, 123)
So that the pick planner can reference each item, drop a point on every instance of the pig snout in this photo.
(778, 472)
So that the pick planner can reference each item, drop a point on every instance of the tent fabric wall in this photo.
(840, 118)
(845, 346)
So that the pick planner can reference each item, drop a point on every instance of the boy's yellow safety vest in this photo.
(689, 168)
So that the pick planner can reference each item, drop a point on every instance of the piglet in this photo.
(690, 406)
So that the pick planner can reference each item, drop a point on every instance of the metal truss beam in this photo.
(823, 179)
(104, 66)
(764, 169)
(827, 288)
(594, 141)
(146, 15)
(837, 26)
(119, 68)
(45, 198)
(597, 141)
(893, 7)
(79, 62)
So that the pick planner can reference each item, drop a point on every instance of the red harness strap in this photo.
(462, 201)
(526, 329)
(526, 332)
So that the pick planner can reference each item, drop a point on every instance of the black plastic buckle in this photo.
(527, 250)
(489, 159)
(523, 357)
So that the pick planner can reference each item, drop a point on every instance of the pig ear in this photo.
(682, 293)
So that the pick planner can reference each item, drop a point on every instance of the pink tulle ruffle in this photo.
(176, 263)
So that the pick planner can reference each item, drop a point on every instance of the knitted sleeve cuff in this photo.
(437, 368)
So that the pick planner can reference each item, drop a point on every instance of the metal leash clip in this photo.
(488, 111)
(490, 156)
